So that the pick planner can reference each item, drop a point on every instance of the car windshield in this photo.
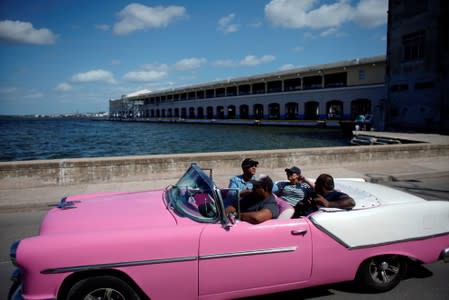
(193, 196)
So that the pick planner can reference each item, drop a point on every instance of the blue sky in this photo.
(66, 56)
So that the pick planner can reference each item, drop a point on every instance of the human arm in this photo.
(342, 201)
(256, 217)
(308, 181)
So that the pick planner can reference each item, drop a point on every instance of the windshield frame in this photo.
(195, 196)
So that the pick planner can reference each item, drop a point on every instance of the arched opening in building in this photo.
(210, 112)
(360, 106)
(163, 113)
(170, 113)
(274, 111)
(183, 113)
(334, 110)
(191, 112)
(152, 113)
(200, 113)
(291, 111)
(231, 112)
(158, 113)
(311, 110)
(258, 111)
(244, 111)
(220, 112)
(176, 112)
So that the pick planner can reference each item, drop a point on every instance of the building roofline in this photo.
(243, 79)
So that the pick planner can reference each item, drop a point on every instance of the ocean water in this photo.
(36, 139)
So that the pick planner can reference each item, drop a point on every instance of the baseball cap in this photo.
(249, 162)
(293, 169)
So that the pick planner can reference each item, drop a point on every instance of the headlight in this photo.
(13, 252)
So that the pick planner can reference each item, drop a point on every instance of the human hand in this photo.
(320, 200)
(230, 209)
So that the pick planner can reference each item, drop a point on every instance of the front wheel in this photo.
(102, 287)
(382, 273)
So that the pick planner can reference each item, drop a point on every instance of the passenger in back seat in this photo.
(327, 196)
(296, 191)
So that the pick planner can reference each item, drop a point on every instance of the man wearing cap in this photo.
(296, 190)
(243, 182)
(262, 206)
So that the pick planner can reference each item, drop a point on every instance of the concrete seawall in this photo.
(66, 172)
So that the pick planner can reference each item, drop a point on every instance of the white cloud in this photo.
(144, 76)
(63, 87)
(307, 13)
(328, 32)
(7, 90)
(371, 13)
(94, 76)
(286, 67)
(251, 60)
(224, 63)
(136, 16)
(24, 33)
(104, 27)
(225, 24)
(298, 49)
(189, 63)
(156, 67)
(34, 95)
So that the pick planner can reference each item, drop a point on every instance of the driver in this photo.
(262, 206)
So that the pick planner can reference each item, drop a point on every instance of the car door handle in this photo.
(299, 232)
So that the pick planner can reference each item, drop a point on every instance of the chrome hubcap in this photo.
(383, 271)
(105, 294)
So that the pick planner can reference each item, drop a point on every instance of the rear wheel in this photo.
(382, 273)
(102, 287)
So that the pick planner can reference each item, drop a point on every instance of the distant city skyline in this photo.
(73, 56)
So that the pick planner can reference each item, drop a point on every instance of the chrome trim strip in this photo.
(166, 260)
(118, 265)
(250, 252)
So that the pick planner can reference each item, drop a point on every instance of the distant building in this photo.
(328, 92)
(418, 65)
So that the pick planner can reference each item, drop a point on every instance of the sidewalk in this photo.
(375, 171)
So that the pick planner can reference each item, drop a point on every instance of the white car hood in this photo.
(382, 215)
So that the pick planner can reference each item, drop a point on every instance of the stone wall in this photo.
(26, 174)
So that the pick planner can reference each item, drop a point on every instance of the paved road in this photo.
(429, 282)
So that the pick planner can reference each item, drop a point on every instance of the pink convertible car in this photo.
(177, 243)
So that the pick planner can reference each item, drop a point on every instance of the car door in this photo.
(249, 256)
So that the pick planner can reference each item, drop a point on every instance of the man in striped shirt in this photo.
(296, 191)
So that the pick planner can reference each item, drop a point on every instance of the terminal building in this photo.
(312, 95)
